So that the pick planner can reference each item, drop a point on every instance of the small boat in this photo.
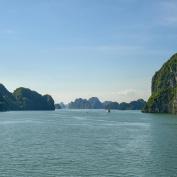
(109, 111)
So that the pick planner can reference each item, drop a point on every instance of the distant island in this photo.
(164, 89)
(162, 100)
(95, 103)
(24, 99)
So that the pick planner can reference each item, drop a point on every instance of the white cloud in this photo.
(128, 95)
(126, 92)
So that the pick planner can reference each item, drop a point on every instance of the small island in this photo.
(95, 103)
(24, 99)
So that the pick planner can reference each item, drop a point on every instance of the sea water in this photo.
(87, 143)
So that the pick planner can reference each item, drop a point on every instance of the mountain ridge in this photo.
(95, 103)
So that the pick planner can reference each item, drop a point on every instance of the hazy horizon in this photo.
(81, 49)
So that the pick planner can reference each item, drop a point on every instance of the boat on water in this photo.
(109, 110)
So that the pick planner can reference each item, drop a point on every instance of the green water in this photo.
(87, 143)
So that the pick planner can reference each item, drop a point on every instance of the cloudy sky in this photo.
(85, 48)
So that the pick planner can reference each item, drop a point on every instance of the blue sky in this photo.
(85, 48)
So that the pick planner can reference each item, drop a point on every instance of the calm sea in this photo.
(87, 143)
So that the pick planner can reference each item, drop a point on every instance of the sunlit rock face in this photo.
(164, 89)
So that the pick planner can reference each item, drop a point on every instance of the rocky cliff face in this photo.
(95, 103)
(92, 103)
(24, 99)
(31, 100)
(3, 104)
(164, 89)
(7, 99)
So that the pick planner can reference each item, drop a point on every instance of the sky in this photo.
(85, 48)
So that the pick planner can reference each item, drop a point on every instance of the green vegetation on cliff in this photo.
(7, 99)
(3, 104)
(24, 99)
(164, 89)
(31, 100)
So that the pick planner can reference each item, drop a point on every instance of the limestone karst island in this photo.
(162, 100)
(88, 88)
(164, 89)
(24, 99)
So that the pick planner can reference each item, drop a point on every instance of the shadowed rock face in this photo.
(133, 105)
(24, 99)
(31, 100)
(3, 104)
(7, 99)
(80, 104)
(95, 103)
(92, 103)
(164, 89)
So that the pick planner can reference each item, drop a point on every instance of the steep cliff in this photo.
(24, 99)
(8, 101)
(164, 89)
(31, 100)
